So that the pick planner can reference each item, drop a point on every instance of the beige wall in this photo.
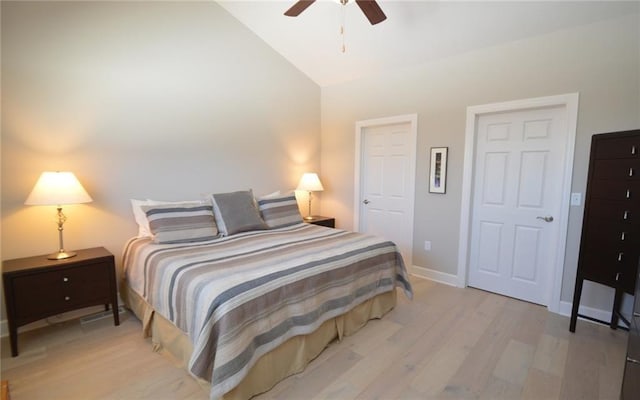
(164, 100)
(600, 61)
(172, 100)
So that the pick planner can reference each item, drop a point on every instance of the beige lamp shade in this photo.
(310, 182)
(57, 188)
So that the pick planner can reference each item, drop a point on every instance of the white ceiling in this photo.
(415, 32)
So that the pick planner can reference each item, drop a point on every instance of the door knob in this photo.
(546, 219)
(365, 201)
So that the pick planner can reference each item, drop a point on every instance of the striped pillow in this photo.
(181, 223)
(280, 211)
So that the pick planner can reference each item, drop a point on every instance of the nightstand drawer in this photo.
(47, 292)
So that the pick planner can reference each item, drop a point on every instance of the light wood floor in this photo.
(448, 343)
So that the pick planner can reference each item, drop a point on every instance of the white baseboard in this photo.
(433, 275)
(564, 309)
(603, 315)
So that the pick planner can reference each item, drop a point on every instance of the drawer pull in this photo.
(632, 360)
(630, 171)
(67, 298)
(620, 256)
(617, 276)
(633, 150)
(628, 194)
(622, 236)
(65, 279)
(626, 214)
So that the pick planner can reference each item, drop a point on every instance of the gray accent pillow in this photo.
(181, 223)
(236, 212)
(280, 211)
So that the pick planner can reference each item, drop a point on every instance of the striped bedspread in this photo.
(241, 296)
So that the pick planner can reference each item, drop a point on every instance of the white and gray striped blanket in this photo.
(241, 296)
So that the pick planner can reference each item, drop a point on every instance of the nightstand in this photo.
(322, 221)
(36, 288)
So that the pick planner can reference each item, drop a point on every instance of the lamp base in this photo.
(61, 255)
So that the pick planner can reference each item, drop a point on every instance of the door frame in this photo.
(570, 103)
(361, 126)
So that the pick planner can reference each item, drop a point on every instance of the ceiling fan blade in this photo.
(372, 11)
(299, 7)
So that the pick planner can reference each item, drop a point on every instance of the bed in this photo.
(244, 311)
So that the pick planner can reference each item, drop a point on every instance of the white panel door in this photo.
(386, 179)
(519, 168)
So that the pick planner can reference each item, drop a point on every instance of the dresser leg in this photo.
(576, 304)
(13, 339)
(617, 300)
(116, 316)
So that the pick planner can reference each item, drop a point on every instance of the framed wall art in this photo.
(438, 171)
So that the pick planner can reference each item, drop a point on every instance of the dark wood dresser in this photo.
(610, 243)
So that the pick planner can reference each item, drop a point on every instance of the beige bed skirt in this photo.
(289, 358)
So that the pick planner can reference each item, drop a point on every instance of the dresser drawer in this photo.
(616, 190)
(613, 257)
(618, 169)
(613, 234)
(621, 147)
(610, 245)
(623, 211)
(45, 293)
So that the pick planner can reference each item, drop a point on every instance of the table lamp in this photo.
(58, 188)
(310, 183)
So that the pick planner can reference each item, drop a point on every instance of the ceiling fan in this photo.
(370, 8)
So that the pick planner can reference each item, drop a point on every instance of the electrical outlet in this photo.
(427, 245)
(576, 199)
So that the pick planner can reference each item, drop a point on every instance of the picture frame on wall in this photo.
(438, 170)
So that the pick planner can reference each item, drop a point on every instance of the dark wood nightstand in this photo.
(322, 221)
(36, 288)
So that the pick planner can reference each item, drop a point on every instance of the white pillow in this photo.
(141, 217)
(270, 195)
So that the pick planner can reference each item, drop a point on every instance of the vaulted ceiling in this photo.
(415, 32)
